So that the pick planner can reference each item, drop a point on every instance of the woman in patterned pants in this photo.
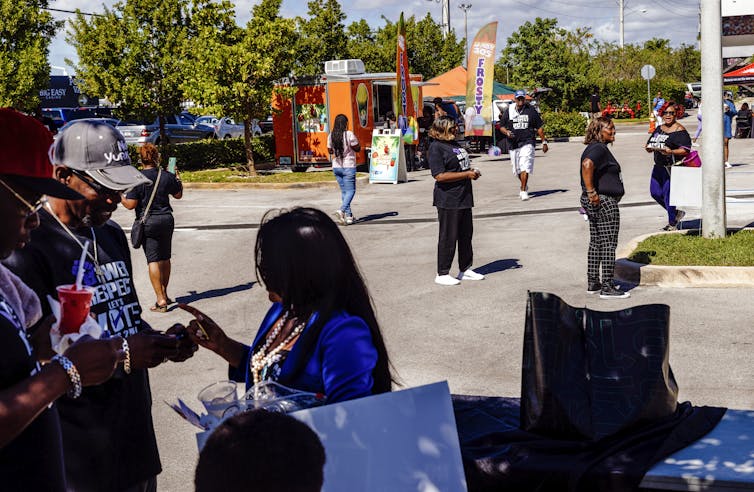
(601, 190)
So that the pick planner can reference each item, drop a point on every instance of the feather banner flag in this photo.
(479, 77)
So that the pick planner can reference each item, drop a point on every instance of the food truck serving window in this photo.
(383, 102)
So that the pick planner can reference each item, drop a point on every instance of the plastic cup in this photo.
(74, 307)
(219, 398)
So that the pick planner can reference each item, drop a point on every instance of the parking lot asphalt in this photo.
(471, 334)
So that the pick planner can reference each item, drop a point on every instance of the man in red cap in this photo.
(31, 455)
(108, 434)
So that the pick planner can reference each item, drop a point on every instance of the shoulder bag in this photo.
(137, 230)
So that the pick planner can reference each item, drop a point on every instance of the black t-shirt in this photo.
(169, 185)
(673, 140)
(447, 156)
(523, 124)
(33, 461)
(108, 436)
(607, 176)
(594, 100)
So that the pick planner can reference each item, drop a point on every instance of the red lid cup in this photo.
(74, 307)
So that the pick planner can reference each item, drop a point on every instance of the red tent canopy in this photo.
(743, 75)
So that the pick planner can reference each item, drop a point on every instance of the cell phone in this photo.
(172, 164)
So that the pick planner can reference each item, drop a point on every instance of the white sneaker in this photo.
(446, 280)
(340, 216)
(524, 195)
(349, 219)
(470, 275)
(728, 165)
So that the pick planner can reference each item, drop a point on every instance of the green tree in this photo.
(363, 44)
(131, 54)
(323, 37)
(240, 66)
(26, 30)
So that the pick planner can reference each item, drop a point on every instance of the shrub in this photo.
(564, 124)
(211, 154)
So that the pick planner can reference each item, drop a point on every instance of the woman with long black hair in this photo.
(342, 144)
(321, 333)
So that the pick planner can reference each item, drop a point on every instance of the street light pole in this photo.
(465, 7)
(620, 15)
(446, 16)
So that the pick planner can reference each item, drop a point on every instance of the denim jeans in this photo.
(346, 177)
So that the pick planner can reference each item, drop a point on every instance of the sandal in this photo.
(159, 308)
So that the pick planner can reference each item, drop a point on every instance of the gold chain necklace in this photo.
(95, 257)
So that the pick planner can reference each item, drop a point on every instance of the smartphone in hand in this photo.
(172, 165)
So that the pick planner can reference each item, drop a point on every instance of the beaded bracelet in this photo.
(73, 374)
(127, 360)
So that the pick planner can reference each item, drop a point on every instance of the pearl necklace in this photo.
(262, 358)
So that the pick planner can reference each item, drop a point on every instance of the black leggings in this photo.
(456, 226)
(158, 237)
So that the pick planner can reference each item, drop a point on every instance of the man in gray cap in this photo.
(108, 435)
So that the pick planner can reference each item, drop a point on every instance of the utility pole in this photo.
(465, 7)
(446, 17)
(620, 17)
(713, 172)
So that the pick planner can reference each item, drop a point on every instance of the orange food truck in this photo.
(301, 125)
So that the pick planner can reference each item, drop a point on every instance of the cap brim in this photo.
(47, 186)
(119, 178)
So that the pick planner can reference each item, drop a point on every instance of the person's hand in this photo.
(545, 148)
(96, 360)
(204, 331)
(150, 348)
(40, 339)
(186, 346)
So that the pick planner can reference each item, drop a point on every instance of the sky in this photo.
(676, 20)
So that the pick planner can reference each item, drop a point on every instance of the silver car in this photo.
(179, 128)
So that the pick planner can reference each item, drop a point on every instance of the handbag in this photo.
(692, 159)
(137, 229)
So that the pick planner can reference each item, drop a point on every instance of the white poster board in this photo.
(686, 186)
(387, 161)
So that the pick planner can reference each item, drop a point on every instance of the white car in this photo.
(224, 127)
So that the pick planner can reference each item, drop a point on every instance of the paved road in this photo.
(470, 335)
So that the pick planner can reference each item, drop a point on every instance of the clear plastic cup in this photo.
(219, 398)
(74, 307)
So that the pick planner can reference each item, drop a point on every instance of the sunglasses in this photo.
(32, 209)
(93, 184)
(671, 113)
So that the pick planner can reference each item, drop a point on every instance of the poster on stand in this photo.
(387, 161)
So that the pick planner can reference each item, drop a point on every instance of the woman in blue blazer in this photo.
(320, 334)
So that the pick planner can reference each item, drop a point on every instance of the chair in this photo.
(743, 124)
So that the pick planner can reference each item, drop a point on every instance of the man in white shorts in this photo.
(519, 124)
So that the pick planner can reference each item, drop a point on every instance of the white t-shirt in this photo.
(349, 156)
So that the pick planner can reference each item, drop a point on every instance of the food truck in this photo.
(301, 124)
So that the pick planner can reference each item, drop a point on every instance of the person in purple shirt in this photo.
(321, 334)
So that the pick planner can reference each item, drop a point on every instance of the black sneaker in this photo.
(593, 287)
(610, 291)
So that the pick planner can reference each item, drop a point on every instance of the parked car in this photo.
(61, 116)
(179, 128)
(224, 127)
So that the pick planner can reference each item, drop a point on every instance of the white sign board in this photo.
(648, 72)
(686, 186)
(404, 440)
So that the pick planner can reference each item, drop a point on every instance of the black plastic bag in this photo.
(590, 374)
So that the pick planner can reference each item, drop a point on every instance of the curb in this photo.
(362, 180)
(678, 276)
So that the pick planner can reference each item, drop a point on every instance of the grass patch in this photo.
(241, 176)
(736, 249)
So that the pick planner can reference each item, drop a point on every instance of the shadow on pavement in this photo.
(498, 266)
(545, 192)
(369, 218)
(209, 294)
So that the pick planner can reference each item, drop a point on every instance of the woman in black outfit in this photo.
(451, 167)
(158, 229)
(601, 190)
